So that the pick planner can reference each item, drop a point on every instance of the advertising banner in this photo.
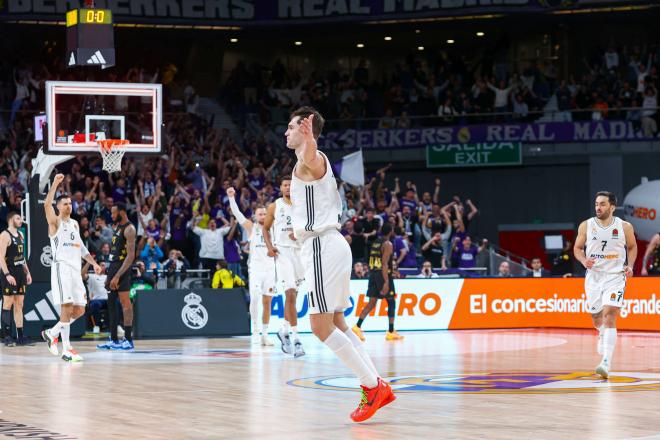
(532, 133)
(490, 303)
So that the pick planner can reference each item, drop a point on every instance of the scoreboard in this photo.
(90, 38)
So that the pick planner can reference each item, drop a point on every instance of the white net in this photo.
(112, 151)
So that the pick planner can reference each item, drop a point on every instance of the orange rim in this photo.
(108, 144)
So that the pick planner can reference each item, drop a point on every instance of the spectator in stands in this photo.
(387, 121)
(433, 252)
(175, 269)
(98, 295)
(427, 271)
(104, 254)
(101, 234)
(370, 227)
(537, 269)
(152, 253)
(649, 106)
(212, 242)
(464, 253)
(223, 278)
(520, 108)
(142, 276)
(563, 263)
(409, 259)
(501, 101)
(360, 271)
(504, 271)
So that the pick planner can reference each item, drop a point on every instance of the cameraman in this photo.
(175, 269)
(143, 277)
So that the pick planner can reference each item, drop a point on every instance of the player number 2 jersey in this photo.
(316, 205)
(606, 245)
(282, 224)
(66, 244)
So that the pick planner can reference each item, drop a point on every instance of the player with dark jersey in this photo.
(381, 282)
(118, 283)
(15, 279)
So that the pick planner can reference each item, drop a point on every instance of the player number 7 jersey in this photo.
(606, 245)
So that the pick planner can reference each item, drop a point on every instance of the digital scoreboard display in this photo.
(90, 38)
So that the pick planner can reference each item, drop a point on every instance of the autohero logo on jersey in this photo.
(194, 315)
(46, 258)
(604, 256)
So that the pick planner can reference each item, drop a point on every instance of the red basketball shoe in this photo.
(371, 400)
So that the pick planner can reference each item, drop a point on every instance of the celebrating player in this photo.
(16, 277)
(611, 250)
(286, 251)
(326, 257)
(66, 277)
(261, 268)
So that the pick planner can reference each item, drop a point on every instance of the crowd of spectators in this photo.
(451, 89)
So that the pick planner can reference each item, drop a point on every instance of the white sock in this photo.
(286, 326)
(254, 313)
(264, 330)
(359, 346)
(339, 343)
(609, 342)
(56, 329)
(294, 332)
(66, 330)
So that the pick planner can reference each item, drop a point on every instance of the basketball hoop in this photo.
(112, 151)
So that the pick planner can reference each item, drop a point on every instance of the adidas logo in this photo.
(44, 310)
(97, 58)
(72, 59)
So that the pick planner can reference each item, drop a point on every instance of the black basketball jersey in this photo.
(376, 255)
(118, 251)
(14, 255)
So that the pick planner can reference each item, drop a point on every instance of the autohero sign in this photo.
(438, 304)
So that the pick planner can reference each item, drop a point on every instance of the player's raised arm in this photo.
(578, 247)
(240, 218)
(631, 245)
(308, 155)
(268, 224)
(51, 217)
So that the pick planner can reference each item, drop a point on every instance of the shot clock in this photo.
(90, 38)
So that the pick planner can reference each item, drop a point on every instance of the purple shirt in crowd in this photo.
(119, 194)
(153, 233)
(409, 203)
(232, 252)
(466, 258)
(410, 260)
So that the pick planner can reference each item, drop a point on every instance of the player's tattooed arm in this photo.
(129, 234)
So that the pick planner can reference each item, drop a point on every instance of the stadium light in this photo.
(420, 47)
(298, 43)
(360, 45)
(233, 40)
(450, 41)
(480, 34)
(388, 38)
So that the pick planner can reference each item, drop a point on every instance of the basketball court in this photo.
(498, 384)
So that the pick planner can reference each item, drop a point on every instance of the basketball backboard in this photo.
(80, 113)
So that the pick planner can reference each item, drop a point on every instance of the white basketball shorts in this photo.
(262, 279)
(604, 289)
(327, 260)
(289, 268)
(67, 285)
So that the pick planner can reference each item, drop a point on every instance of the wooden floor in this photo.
(506, 384)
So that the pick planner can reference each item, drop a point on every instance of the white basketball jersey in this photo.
(66, 245)
(607, 246)
(282, 225)
(316, 205)
(258, 257)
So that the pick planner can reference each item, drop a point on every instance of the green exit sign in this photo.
(474, 155)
